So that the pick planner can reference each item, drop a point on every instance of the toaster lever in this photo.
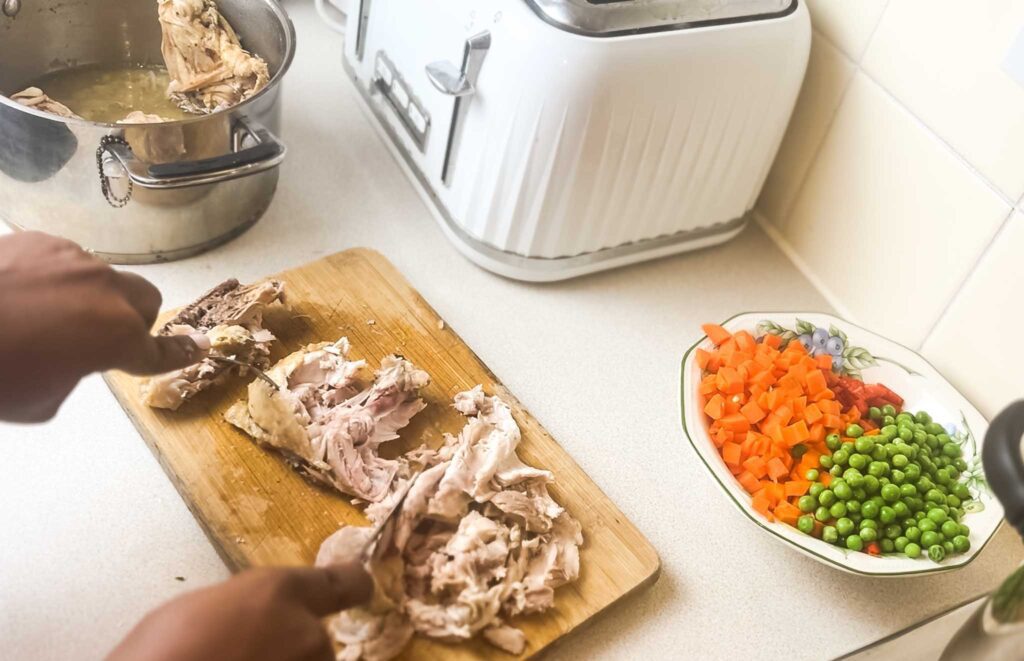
(460, 84)
(453, 81)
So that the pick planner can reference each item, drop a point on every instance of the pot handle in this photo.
(267, 153)
(1004, 466)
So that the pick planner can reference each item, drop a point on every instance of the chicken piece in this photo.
(478, 539)
(208, 67)
(33, 97)
(328, 429)
(139, 117)
(153, 144)
(231, 316)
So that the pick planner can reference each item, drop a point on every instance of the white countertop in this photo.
(93, 533)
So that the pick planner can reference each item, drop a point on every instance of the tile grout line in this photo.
(871, 37)
(1004, 227)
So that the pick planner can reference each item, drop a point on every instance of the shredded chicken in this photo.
(33, 97)
(478, 540)
(231, 316)
(209, 69)
(326, 425)
(139, 117)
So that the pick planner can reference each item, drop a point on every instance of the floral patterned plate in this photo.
(864, 355)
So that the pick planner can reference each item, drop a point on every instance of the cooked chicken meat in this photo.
(328, 426)
(478, 540)
(33, 97)
(231, 316)
(209, 69)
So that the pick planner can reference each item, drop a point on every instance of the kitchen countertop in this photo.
(94, 535)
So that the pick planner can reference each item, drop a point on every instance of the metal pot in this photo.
(996, 630)
(172, 189)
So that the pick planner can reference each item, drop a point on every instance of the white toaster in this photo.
(560, 137)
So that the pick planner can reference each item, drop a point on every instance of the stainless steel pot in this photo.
(185, 186)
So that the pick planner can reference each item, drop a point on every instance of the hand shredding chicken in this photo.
(231, 316)
(328, 426)
(478, 540)
(209, 69)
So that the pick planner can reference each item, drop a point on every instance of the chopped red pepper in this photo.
(873, 549)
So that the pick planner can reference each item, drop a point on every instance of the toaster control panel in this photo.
(389, 83)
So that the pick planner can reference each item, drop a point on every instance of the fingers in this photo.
(159, 354)
(140, 294)
(328, 590)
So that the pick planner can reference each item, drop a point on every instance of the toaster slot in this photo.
(407, 107)
(459, 83)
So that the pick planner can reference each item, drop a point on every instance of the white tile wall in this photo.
(900, 172)
(887, 205)
(847, 23)
(973, 344)
(944, 60)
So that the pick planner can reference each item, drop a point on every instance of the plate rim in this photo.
(935, 569)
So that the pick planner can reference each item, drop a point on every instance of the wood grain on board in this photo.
(257, 511)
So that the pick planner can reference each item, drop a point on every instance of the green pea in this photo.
(906, 434)
(938, 516)
(961, 544)
(842, 491)
(924, 485)
(936, 553)
(927, 525)
(892, 531)
(930, 538)
(837, 510)
(822, 513)
(853, 505)
(912, 550)
(886, 514)
(913, 533)
(960, 464)
(825, 461)
(807, 503)
(855, 517)
(811, 475)
(859, 493)
(887, 545)
(854, 478)
(836, 470)
(854, 543)
(868, 534)
(869, 509)
(964, 530)
(948, 546)
(878, 468)
(898, 476)
(859, 461)
(805, 524)
(960, 491)
(844, 526)
(934, 428)
(901, 509)
(889, 410)
(907, 490)
(905, 418)
(900, 461)
(816, 489)
(864, 444)
(827, 497)
(935, 496)
(830, 534)
(879, 453)
(956, 513)
(832, 442)
(841, 456)
(920, 437)
(854, 431)
(798, 450)
(913, 472)
(942, 476)
(890, 493)
(951, 450)
(943, 438)
(954, 474)
(950, 529)
(875, 413)
(869, 523)
(900, 543)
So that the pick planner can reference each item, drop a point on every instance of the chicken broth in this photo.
(104, 93)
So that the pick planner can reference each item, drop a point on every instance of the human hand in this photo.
(259, 615)
(65, 314)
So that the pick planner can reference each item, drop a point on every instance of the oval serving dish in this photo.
(874, 359)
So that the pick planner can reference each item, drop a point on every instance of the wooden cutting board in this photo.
(257, 511)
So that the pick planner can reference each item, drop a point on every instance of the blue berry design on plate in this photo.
(819, 341)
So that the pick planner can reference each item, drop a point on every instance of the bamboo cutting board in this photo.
(257, 511)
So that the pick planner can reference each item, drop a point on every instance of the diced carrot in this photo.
(748, 482)
(815, 382)
(731, 454)
(722, 436)
(728, 381)
(776, 469)
(757, 466)
(824, 362)
(787, 513)
(761, 504)
(812, 413)
(735, 423)
(716, 333)
(832, 421)
(745, 341)
(753, 412)
(773, 341)
(796, 488)
(715, 408)
(783, 414)
(703, 357)
(825, 478)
